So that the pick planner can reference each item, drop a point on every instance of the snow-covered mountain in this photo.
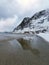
(39, 22)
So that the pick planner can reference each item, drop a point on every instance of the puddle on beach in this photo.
(24, 52)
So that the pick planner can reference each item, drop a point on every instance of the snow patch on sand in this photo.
(44, 35)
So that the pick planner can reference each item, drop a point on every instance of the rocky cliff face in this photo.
(39, 22)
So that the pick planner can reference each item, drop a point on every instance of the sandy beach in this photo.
(23, 50)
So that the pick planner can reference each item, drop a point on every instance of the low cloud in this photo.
(8, 24)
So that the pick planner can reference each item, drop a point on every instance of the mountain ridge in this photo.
(34, 23)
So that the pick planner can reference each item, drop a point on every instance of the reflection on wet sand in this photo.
(24, 51)
(26, 45)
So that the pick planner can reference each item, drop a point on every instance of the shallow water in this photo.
(32, 50)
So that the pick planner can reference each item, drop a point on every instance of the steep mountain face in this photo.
(23, 23)
(39, 22)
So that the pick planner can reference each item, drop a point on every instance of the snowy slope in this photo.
(39, 22)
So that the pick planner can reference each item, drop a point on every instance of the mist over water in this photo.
(23, 50)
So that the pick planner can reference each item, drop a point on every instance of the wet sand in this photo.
(15, 50)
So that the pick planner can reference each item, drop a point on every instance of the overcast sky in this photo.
(13, 11)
